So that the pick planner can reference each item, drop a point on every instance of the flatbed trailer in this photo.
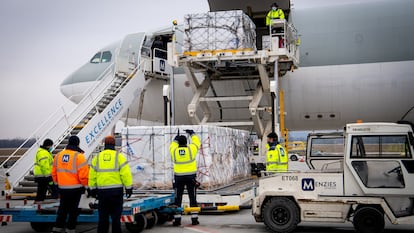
(139, 212)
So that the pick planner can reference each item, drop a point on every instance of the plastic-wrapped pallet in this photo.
(222, 157)
(221, 30)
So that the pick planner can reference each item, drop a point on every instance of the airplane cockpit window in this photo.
(96, 58)
(106, 56)
(102, 57)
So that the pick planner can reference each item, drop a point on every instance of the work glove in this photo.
(176, 138)
(128, 192)
(197, 184)
(189, 131)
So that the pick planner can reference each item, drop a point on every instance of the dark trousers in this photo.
(42, 187)
(180, 182)
(110, 205)
(69, 202)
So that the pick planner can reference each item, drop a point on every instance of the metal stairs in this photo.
(91, 120)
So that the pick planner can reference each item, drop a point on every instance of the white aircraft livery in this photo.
(356, 63)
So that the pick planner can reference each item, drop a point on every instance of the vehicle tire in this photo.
(294, 157)
(151, 221)
(162, 218)
(41, 226)
(138, 225)
(369, 219)
(280, 214)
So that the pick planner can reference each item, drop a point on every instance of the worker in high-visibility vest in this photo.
(276, 157)
(109, 174)
(185, 170)
(70, 172)
(43, 171)
(274, 13)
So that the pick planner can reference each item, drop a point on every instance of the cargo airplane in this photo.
(356, 62)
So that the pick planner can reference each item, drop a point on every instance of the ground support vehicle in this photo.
(371, 180)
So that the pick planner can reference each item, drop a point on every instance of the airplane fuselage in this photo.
(356, 63)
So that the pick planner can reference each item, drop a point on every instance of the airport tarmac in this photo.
(237, 222)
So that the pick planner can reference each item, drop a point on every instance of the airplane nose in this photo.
(66, 90)
(76, 91)
(74, 87)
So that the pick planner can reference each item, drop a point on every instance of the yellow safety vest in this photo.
(109, 169)
(184, 158)
(277, 14)
(276, 159)
(43, 163)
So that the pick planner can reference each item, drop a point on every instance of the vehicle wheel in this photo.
(280, 214)
(138, 225)
(162, 218)
(41, 226)
(294, 157)
(369, 220)
(152, 220)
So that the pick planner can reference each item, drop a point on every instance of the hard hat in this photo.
(74, 141)
(47, 142)
(109, 140)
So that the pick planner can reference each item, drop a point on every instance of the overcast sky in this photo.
(43, 41)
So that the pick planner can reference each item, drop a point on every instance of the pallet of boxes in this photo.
(221, 160)
(218, 33)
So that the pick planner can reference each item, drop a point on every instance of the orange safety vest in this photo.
(70, 170)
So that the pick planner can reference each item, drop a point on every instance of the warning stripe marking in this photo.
(136, 210)
(127, 218)
(5, 218)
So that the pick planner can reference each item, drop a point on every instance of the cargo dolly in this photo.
(139, 213)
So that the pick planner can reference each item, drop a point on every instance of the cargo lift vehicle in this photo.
(370, 180)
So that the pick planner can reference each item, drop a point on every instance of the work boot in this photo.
(194, 221)
(177, 222)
